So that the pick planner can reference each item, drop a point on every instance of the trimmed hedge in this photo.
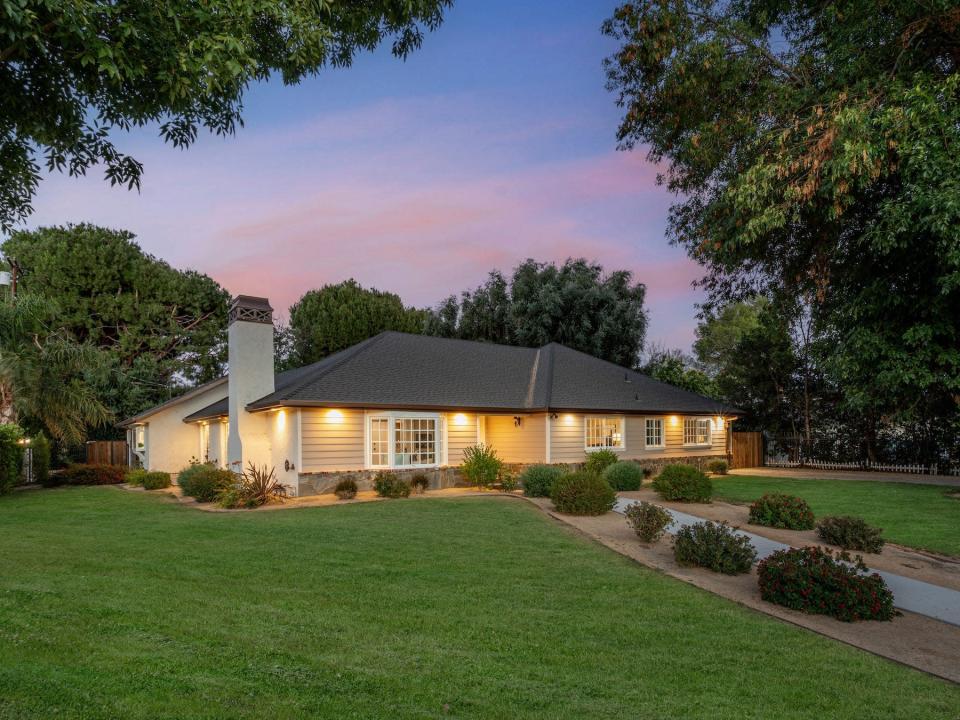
(624, 475)
(155, 480)
(683, 483)
(83, 474)
(538, 480)
(600, 460)
(782, 511)
(388, 485)
(814, 581)
(649, 521)
(205, 482)
(714, 546)
(583, 493)
(720, 467)
(850, 533)
(346, 489)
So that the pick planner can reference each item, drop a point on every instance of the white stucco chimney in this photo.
(250, 367)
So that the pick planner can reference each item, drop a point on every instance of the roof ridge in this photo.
(532, 383)
(549, 375)
(348, 353)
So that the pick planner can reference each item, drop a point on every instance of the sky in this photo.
(495, 142)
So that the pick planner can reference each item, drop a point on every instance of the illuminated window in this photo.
(696, 431)
(603, 432)
(654, 432)
(404, 441)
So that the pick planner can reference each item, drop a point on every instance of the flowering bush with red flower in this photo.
(782, 511)
(814, 581)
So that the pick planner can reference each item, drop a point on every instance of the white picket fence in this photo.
(915, 468)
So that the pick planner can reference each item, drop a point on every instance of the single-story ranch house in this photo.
(414, 403)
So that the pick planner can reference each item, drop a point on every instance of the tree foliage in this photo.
(42, 372)
(157, 329)
(72, 73)
(576, 304)
(815, 150)
(334, 317)
(676, 368)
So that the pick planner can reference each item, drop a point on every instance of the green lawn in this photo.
(115, 604)
(920, 516)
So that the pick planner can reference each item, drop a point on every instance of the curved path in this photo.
(916, 596)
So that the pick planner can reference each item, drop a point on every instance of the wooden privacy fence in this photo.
(747, 450)
(107, 452)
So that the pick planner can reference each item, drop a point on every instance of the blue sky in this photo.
(493, 143)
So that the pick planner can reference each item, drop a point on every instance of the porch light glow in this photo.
(334, 416)
(281, 419)
(568, 419)
(459, 419)
(719, 423)
(674, 420)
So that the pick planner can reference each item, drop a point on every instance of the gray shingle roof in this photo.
(416, 371)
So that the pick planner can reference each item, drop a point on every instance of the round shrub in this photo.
(135, 476)
(583, 493)
(683, 483)
(205, 482)
(850, 533)
(714, 546)
(649, 521)
(718, 467)
(346, 489)
(599, 460)
(624, 475)
(481, 466)
(782, 511)
(419, 483)
(155, 480)
(508, 481)
(388, 485)
(814, 581)
(538, 480)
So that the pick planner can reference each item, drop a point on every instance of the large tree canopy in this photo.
(71, 71)
(158, 329)
(576, 304)
(815, 149)
(334, 317)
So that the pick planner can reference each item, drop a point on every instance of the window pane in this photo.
(654, 433)
(604, 432)
(379, 442)
(415, 441)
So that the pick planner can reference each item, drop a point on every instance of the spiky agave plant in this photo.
(259, 486)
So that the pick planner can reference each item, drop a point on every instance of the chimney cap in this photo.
(248, 308)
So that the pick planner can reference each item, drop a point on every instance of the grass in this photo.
(116, 604)
(920, 516)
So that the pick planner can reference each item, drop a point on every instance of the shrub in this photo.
(538, 480)
(508, 481)
(624, 475)
(649, 521)
(155, 480)
(41, 459)
(346, 489)
(481, 466)
(850, 533)
(683, 483)
(11, 456)
(815, 581)
(715, 546)
(583, 493)
(719, 467)
(135, 476)
(257, 486)
(83, 474)
(782, 511)
(204, 482)
(389, 485)
(419, 483)
(599, 460)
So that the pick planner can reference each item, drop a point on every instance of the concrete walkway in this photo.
(810, 474)
(920, 597)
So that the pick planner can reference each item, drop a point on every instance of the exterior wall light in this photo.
(459, 419)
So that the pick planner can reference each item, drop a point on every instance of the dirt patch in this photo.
(915, 640)
(916, 564)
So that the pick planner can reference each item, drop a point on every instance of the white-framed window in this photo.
(603, 433)
(696, 431)
(653, 435)
(139, 437)
(404, 440)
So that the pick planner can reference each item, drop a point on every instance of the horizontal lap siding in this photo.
(460, 437)
(636, 438)
(331, 443)
(524, 444)
(566, 439)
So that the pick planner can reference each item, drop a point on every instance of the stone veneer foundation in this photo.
(319, 483)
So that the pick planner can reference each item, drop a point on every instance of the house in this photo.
(415, 403)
